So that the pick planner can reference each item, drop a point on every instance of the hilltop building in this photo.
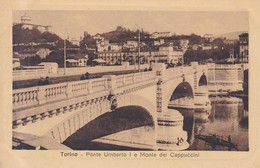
(209, 37)
(26, 24)
(155, 35)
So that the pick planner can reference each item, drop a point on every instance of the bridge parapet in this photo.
(123, 80)
(35, 103)
(43, 94)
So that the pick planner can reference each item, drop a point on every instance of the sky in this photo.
(74, 23)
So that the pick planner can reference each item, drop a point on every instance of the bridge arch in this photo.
(141, 101)
(203, 80)
(136, 108)
(181, 95)
(184, 89)
(120, 119)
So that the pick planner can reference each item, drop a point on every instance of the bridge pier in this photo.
(201, 99)
(170, 133)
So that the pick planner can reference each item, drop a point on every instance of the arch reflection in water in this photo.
(224, 120)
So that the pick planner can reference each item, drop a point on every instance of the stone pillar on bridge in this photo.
(201, 95)
(170, 133)
(195, 68)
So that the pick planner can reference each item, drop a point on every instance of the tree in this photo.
(56, 56)
(87, 42)
(31, 61)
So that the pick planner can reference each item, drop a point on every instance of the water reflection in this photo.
(224, 120)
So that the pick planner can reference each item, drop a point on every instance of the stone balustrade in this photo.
(25, 97)
(43, 94)
(36, 103)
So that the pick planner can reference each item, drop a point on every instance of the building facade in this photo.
(243, 47)
(165, 54)
(160, 34)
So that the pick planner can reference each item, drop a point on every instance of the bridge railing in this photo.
(43, 94)
(134, 78)
(25, 97)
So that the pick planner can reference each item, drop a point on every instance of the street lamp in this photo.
(138, 47)
(139, 50)
(65, 52)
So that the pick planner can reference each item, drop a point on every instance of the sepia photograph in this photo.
(129, 80)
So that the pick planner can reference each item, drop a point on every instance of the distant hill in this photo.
(21, 35)
(231, 35)
(119, 35)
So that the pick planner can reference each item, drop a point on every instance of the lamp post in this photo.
(139, 50)
(65, 53)
(139, 32)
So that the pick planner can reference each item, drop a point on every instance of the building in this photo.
(183, 43)
(104, 45)
(168, 54)
(74, 42)
(243, 47)
(158, 42)
(131, 44)
(114, 47)
(209, 37)
(26, 24)
(165, 53)
(16, 60)
(43, 52)
(98, 37)
(27, 53)
(160, 35)
(78, 60)
(206, 47)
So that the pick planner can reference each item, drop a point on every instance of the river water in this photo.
(227, 118)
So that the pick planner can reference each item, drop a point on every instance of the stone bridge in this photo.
(46, 116)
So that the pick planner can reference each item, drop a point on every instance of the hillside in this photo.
(232, 35)
(121, 34)
(21, 35)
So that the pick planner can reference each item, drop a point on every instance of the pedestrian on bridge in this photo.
(87, 75)
(82, 77)
(46, 81)
(41, 81)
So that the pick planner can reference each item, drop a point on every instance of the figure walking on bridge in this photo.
(46, 81)
(41, 81)
(87, 75)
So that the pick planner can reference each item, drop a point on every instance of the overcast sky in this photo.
(179, 22)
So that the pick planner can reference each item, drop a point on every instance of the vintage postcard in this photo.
(160, 84)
